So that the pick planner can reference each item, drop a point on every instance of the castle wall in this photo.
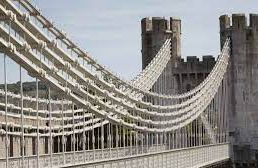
(192, 72)
(243, 84)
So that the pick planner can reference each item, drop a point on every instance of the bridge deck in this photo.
(179, 158)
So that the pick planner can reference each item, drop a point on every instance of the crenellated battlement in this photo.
(238, 22)
(239, 29)
(195, 59)
(161, 24)
(192, 64)
(191, 71)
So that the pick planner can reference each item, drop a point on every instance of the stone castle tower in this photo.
(179, 75)
(155, 31)
(243, 84)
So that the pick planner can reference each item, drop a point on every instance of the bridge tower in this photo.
(179, 76)
(243, 84)
(155, 31)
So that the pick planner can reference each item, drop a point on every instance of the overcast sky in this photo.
(110, 29)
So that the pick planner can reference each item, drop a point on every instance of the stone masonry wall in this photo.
(243, 84)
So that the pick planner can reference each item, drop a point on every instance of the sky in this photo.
(110, 29)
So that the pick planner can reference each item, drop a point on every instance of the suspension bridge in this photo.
(87, 116)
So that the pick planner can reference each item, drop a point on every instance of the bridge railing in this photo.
(185, 157)
(75, 157)
(194, 157)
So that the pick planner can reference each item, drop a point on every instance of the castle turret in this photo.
(224, 26)
(155, 31)
(243, 84)
(175, 27)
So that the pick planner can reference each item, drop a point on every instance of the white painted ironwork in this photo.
(96, 118)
